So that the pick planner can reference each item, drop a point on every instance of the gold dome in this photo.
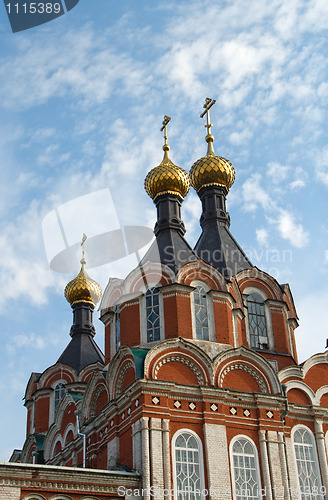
(212, 170)
(167, 178)
(83, 288)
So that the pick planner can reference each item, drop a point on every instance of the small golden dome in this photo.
(83, 288)
(212, 170)
(167, 178)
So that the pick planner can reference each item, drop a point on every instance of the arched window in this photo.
(188, 466)
(307, 464)
(117, 328)
(201, 313)
(257, 322)
(152, 315)
(59, 394)
(245, 469)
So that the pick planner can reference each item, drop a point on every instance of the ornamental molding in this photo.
(176, 294)
(183, 360)
(182, 348)
(100, 389)
(125, 368)
(262, 277)
(246, 368)
(58, 485)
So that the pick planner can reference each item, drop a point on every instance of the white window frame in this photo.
(232, 468)
(52, 412)
(210, 311)
(308, 496)
(201, 462)
(143, 316)
(248, 291)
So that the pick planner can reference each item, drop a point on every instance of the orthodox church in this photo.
(199, 394)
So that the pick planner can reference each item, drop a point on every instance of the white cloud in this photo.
(262, 236)
(321, 164)
(277, 172)
(24, 270)
(292, 231)
(297, 184)
(90, 70)
(254, 194)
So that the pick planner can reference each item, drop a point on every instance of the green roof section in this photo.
(139, 356)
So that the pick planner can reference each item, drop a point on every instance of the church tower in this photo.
(200, 392)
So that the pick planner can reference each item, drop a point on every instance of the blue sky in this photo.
(82, 100)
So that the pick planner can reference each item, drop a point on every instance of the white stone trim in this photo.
(295, 384)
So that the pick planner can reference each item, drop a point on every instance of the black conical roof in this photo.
(81, 352)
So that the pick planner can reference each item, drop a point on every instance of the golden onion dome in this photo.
(167, 178)
(212, 170)
(83, 288)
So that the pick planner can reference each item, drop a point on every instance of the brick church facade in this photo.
(199, 393)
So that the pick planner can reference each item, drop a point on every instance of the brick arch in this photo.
(125, 376)
(99, 399)
(150, 272)
(177, 368)
(298, 396)
(191, 359)
(60, 497)
(201, 271)
(242, 376)
(33, 496)
(259, 279)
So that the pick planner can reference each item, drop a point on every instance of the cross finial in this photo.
(166, 147)
(84, 238)
(209, 138)
(164, 127)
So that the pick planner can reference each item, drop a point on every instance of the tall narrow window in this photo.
(201, 313)
(307, 465)
(59, 394)
(117, 328)
(245, 470)
(188, 470)
(257, 322)
(152, 315)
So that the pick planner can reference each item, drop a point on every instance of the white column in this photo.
(136, 446)
(166, 455)
(156, 458)
(320, 440)
(113, 453)
(217, 460)
(284, 473)
(10, 493)
(275, 465)
(145, 457)
(265, 465)
(292, 470)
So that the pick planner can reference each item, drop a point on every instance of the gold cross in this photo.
(84, 238)
(164, 127)
(207, 106)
